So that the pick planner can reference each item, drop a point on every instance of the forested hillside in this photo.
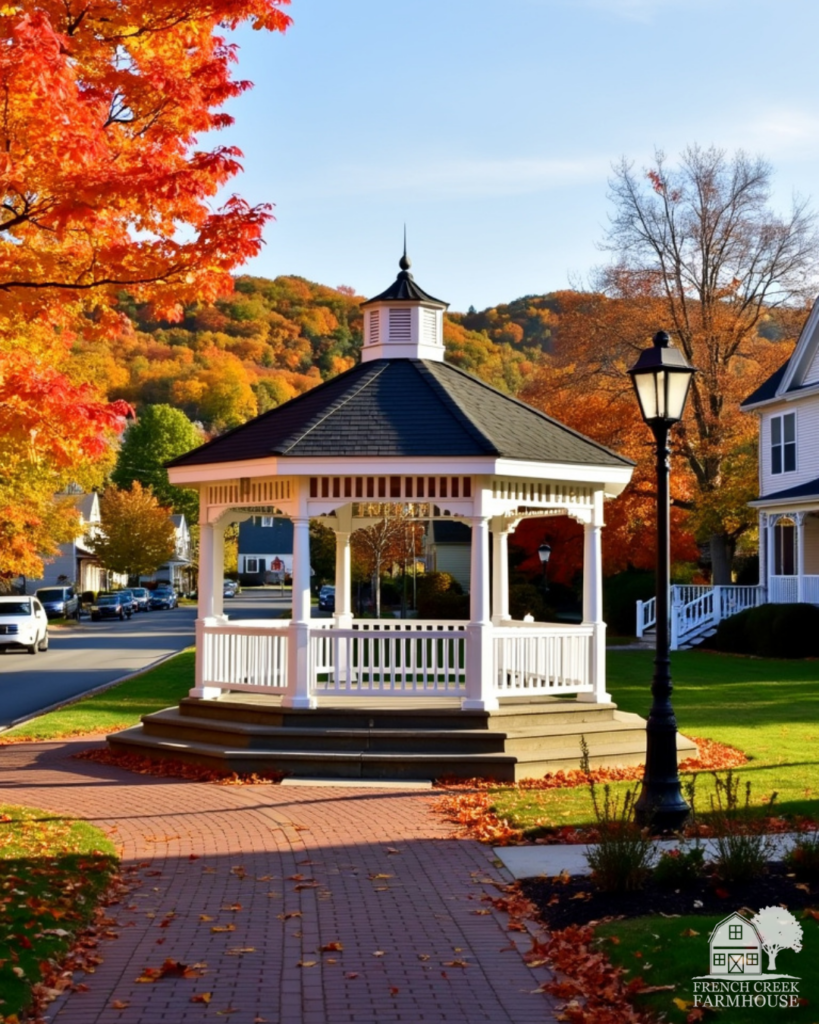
(226, 361)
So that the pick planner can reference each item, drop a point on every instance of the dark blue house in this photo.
(265, 550)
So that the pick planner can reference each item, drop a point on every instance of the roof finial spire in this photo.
(405, 262)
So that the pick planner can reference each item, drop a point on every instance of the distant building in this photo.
(448, 549)
(265, 550)
(76, 565)
(176, 570)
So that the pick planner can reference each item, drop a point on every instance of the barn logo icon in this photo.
(743, 970)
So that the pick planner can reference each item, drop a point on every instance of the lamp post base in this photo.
(661, 807)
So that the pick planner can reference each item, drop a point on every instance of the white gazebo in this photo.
(403, 427)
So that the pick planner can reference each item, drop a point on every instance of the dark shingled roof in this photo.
(808, 490)
(768, 388)
(403, 289)
(397, 408)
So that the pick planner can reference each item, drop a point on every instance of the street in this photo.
(91, 654)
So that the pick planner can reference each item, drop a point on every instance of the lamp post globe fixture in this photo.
(544, 553)
(661, 379)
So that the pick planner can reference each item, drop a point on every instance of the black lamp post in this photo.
(544, 553)
(661, 379)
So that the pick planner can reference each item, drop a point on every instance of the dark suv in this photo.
(59, 602)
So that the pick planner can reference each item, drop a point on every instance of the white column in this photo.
(772, 521)
(298, 651)
(480, 690)
(219, 570)
(500, 570)
(593, 602)
(205, 610)
(799, 518)
(763, 550)
(344, 614)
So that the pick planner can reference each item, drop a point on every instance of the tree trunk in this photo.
(722, 559)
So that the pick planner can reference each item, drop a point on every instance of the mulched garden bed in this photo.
(573, 900)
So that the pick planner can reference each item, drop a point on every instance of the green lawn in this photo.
(117, 708)
(663, 951)
(767, 708)
(52, 871)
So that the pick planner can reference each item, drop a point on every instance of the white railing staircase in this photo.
(696, 611)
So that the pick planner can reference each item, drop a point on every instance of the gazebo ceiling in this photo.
(399, 408)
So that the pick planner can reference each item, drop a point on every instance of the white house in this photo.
(174, 571)
(787, 406)
(76, 564)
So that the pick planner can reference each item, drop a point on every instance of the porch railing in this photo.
(696, 609)
(542, 660)
(785, 589)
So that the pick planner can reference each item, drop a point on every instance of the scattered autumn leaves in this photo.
(469, 803)
(171, 769)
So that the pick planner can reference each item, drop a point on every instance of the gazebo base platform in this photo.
(391, 738)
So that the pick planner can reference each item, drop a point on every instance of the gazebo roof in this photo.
(401, 408)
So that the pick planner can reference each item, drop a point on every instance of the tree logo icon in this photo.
(777, 929)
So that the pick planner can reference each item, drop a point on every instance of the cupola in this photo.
(403, 322)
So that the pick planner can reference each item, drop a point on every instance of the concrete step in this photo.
(170, 724)
(318, 764)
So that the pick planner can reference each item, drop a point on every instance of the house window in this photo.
(784, 548)
(268, 520)
(719, 959)
(752, 959)
(734, 931)
(783, 443)
(251, 565)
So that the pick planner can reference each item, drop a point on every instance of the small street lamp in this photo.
(661, 379)
(544, 553)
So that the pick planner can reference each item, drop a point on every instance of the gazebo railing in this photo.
(399, 657)
(245, 656)
(543, 660)
(404, 657)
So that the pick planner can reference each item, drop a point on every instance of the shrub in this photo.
(526, 599)
(621, 593)
(771, 631)
(803, 858)
(742, 850)
(679, 868)
(440, 596)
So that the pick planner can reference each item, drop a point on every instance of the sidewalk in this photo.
(277, 873)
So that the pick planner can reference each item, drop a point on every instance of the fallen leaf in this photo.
(118, 1004)
(289, 914)
(331, 947)
(423, 956)
(689, 933)
(379, 876)
(351, 975)
(202, 997)
(682, 1004)
(392, 850)
(232, 906)
(206, 917)
(379, 952)
(307, 963)
(394, 991)
(223, 928)
(455, 963)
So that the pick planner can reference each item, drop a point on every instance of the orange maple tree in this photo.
(105, 192)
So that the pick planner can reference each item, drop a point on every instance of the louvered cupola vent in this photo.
(400, 325)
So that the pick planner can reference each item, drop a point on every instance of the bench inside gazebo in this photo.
(398, 698)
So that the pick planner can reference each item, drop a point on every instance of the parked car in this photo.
(128, 599)
(142, 596)
(111, 606)
(163, 597)
(23, 623)
(59, 602)
(327, 599)
(230, 588)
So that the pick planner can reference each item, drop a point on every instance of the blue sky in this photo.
(490, 128)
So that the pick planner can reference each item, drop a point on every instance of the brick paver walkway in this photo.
(282, 871)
